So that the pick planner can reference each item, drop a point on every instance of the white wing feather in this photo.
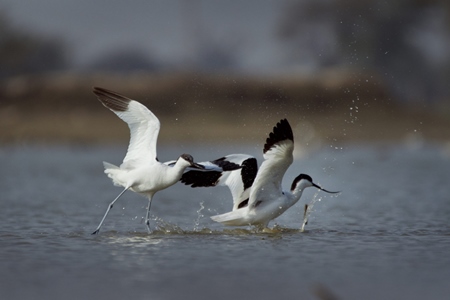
(232, 179)
(144, 126)
(144, 129)
(267, 183)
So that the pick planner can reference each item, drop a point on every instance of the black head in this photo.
(309, 179)
(187, 157)
(190, 159)
(300, 177)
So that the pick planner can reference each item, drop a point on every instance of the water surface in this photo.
(386, 236)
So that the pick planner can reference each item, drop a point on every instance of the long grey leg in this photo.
(147, 218)
(107, 211)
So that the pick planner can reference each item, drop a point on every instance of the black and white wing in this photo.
(278, 157)
(144, 125)
(208, 166)
(238, 181)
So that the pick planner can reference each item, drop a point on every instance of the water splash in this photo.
(199, 216)
(166, 227)
(135, 240)
(308, 210)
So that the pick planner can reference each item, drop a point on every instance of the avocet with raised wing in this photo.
(258, 197)
(140, 171)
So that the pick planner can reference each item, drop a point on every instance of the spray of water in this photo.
(199, 216)
(308, 210)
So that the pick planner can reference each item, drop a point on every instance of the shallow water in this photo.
(386, 236)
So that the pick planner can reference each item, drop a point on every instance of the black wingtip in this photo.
(225, 164)
(111, 100)
(201, 179)
(282, 131)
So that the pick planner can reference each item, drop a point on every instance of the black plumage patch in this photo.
(187, 157)
(298, 178)
(112, 100)
(201, 179)
(248, 172)
(282, 131)
(243, 204)
(225, 164)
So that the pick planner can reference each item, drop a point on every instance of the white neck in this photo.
(293, 196)
(179, 167)
(298, 190)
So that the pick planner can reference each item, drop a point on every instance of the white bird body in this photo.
(267, 200)
(140, 171)
(263, 199)
(138, 179)
(263, 211)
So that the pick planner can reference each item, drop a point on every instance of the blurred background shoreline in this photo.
(326, 108)
(340, 71)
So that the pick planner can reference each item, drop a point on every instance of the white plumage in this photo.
(140, 171)
(264, 199)
(239, 181)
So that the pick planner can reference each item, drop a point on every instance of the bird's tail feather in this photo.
(232, 218)
(108, 165)
(112, 171)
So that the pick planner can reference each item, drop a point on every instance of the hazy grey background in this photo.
(407, 43)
